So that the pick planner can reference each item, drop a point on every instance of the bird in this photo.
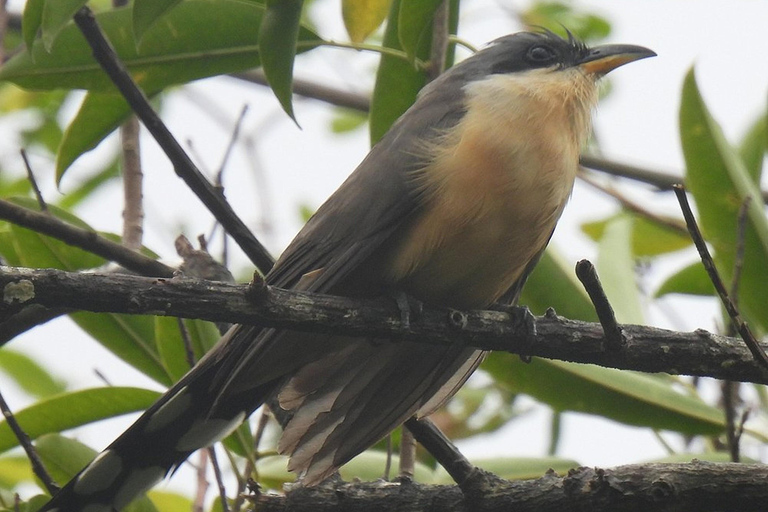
(452, 207)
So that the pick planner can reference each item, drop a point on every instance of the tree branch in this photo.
(646, 349)
(699, 486)
(106, 57)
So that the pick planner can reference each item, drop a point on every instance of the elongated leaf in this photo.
(649, 238)
(202, 335)
(691, 280)
(99, 115)
(170, 501)
(56, 15)
(28, 374)
(129, 337)
(397, 81)
(553, 284)
(31, 19)
(367, 466)
(753, 147)
(64, 458)
(197, 39)
(13, 471)
(720, 183)
(627, 397)
(414, 22)
(362, 17)
(278, 35)
(74, 409)
(616, 266)
(147, 12)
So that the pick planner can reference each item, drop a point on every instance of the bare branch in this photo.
(31, 177)
(183, 165)
(37, 465)
(587, 274)
(83, 238)
(699, 486)
(646, 349)
(741, 326)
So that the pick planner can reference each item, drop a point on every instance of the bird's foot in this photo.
(408, 306)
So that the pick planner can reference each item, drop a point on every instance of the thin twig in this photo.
(738, 264)
(614, 334)
(440, 35)
(83, 238)
(198, 505)
(33, 181)
(133, 180)
(183, 165)
(37, 465)
(672, 224)
(741, 326)
(730, 393)
(250, 466)
(189, 352)
(219, 479)
(231, 145)
(407, 454)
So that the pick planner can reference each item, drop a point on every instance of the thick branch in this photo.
(646, 349)
(699, 486)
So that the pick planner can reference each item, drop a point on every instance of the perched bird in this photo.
(452, 207)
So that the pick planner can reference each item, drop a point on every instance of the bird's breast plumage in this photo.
(494, 187)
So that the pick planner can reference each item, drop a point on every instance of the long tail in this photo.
(185, 419)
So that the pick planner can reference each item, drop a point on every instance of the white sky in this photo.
(637, 124)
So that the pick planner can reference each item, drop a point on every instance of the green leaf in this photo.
(56, 15)
(556, 16)
(649, 238)
(397, 81)
(347, 120)
(170, 501)
(31, 19)
(624, 396)
(515, 468)
(29, 375)
(129, 337)
(720, 183)
(64, 458)
(616, 267)
(99, 115)
(753, 147)
(415, 22)
(70, 410)
(197, 39)
(170, 343)
(147, 12)
(13, 471)
(362, 17)
(278, 34)
(367, 466)
(691, 280)
(553, 283)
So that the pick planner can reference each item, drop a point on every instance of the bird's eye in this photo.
(541, 54)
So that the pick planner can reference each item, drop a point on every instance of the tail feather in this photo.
(181, 422)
